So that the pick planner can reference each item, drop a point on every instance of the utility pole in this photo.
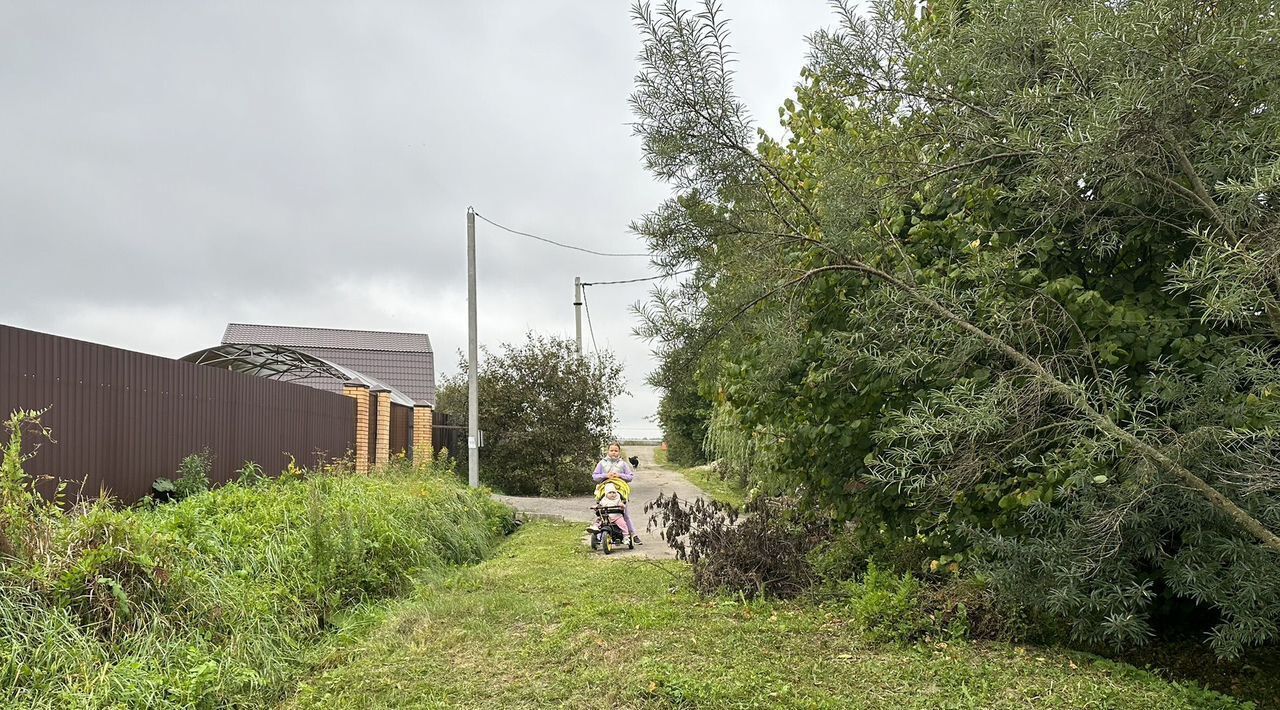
(473, 362)
(577, 310)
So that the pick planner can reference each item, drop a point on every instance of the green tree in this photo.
(672, 322)
(1008, 282)
(546, 413)
(682, 412)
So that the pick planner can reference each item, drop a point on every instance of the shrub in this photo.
(887, 607)
(986, 615)
(545, 411)
(107, 571)
(902, 608)
(846, 555)
(761, 550)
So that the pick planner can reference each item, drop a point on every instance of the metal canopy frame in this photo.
(287, 365)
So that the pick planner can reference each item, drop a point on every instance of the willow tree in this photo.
(1009, 282)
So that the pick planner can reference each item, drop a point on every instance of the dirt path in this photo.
(651, 480)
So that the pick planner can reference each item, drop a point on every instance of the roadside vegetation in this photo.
(546, 413)
(221, 599)
(545, 624)
(704, 476)
(999, 302)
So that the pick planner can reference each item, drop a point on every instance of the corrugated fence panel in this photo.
(446, 435)
(121, 419)
(401, 416)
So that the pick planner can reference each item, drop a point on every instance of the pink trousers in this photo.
(621, 521)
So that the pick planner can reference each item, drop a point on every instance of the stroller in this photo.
(608, 532)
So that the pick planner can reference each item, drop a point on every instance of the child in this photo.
(613, 498)
(614, 467)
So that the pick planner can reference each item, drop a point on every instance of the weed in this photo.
(251, 474)
(25, 515)
(192, 478)
(221, 599)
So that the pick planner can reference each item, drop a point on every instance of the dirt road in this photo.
(651, 480)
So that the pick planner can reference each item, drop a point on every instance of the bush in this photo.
(682, 412)
(221, 599)
(881, 585)
(546, 413)
(846, 555)
(888, 607)
(761, 550)
(904, 607)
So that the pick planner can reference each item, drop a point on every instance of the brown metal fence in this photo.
(447, 435)
(401, 424)
(121, 419)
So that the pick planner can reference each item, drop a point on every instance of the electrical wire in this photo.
(590, 328)
(633, 281)
(552, 241)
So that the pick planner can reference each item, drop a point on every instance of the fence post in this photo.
(359, 391)
(382, 434)
(422, 422)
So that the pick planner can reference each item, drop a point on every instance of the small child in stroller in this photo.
(614, 469)
(611, 522)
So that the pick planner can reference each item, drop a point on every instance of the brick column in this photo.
(360, 393)
(422, 418)
(382, 438)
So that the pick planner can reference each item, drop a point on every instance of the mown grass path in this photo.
(546, 624)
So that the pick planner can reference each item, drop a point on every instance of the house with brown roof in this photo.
(391, 376)
(403, 362)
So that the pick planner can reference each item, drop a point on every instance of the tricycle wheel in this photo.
(606, 542)
(595, 541)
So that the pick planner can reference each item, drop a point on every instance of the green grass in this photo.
(228, 597)
(718, 488)
(544, 623)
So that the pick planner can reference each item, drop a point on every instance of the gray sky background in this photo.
(169, 167)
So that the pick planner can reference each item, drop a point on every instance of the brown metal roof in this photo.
(295, 337)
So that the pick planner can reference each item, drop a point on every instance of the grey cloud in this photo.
(171, 166)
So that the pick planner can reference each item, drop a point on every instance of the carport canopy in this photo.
(287, 365)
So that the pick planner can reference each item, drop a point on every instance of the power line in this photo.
(589, 326)
(633, 281)
(552, 241)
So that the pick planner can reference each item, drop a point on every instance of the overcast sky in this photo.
(167, 167)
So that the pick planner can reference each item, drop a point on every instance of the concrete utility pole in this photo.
(473, 361)
(577, 309)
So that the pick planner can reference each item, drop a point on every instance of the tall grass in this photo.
(220, 600)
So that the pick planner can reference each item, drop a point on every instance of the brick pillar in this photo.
(360, 393)
(422, 418)
(382, 438)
